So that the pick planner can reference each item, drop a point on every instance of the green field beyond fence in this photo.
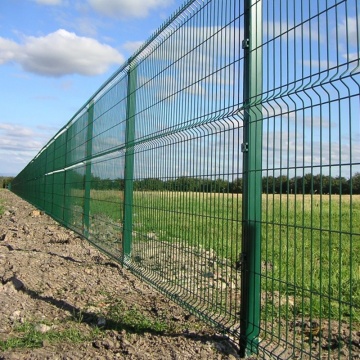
(310, 244)
(221, 164)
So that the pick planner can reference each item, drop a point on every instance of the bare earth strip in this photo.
(60, 298)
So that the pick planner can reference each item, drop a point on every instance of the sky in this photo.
(54, 54)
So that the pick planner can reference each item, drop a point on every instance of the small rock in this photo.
(121, 335)
(42, 328)
(152, 236)
(176, 318)
(190, 317)
(101, 321)
(35, 213)
(345, 352)
(45, 343)
(60, 238)
(108, 344)
(15, 316)
(26, 229)
(92, 310)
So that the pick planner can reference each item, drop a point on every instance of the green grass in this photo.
(27, 336)
(310, 247)
(1, 205)
(117, 315)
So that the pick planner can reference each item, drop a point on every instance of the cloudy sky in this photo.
(54, 54)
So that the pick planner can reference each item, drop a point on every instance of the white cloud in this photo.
(351, 56)
(86, 26)
(349, 30)
(132, 46)
(19, 144)
(318, 64)
(19, 138)
(8, 50)
(11, 130)
(127, 8)
(60, 53)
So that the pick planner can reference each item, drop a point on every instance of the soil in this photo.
(53, 282)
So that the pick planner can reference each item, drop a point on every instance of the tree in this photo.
(6, 181)
(236, 186)
(268, 185)
(355, 181)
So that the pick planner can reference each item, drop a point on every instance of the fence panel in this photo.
(310, 242)
(221, 165)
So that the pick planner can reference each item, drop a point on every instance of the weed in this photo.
(119, 318)
(27, 336)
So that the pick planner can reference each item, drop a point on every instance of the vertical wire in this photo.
(273, 311)
(351, 225)
(296, 252)
(340, 237)
(336, 103)
(266, 21)
(303, 177)
(321, 226)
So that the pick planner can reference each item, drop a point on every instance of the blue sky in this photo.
(54, 54)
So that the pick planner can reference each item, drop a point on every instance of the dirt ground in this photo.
(60, 298)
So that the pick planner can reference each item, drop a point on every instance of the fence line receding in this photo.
(221, 164)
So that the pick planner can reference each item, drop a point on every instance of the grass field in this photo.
(1, 205)
(310, 248)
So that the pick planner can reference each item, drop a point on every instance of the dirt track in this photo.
(60, 298)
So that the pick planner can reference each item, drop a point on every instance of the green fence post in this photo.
(87, 180)
(65, 213)
(129, 162)
(252, 185)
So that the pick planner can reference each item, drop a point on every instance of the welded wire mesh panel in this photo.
(186, 221)
(110, 120)
(106, 182)
(311, 233)
(221, 164)
(77, 140)
(74, 198)
(193, 71)
(106, 203)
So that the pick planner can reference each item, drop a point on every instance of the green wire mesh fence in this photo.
(221, 164)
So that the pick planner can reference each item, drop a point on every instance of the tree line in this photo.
(307, 184)
(5, 181)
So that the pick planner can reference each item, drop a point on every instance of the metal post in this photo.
(65, 212)
(87, 180)
(252, 186)
(129, 161)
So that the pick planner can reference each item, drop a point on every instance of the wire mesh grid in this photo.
(221, 164)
